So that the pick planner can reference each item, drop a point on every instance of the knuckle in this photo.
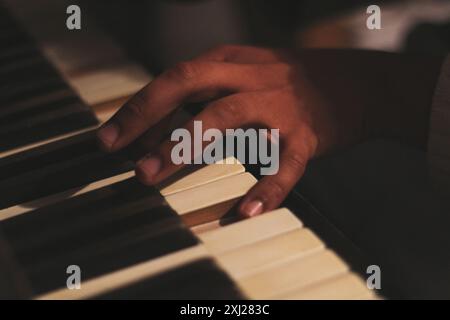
(230, 111)
(232, 51)
(296, 161)
(224, 48)
(186, 70)
(136, 106)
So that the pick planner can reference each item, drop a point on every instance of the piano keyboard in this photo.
(125, 237)
(64, 202)
(35, 101)
(73, 93)
(132, 241)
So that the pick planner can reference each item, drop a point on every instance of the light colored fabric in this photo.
(439, 136)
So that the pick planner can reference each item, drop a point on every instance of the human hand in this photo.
(244, 86)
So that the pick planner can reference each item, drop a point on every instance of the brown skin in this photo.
(321, 100)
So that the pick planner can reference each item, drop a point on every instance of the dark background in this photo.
(160, 32)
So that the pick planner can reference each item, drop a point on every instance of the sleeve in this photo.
(439, 136)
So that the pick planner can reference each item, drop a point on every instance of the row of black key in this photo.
(35, 101)
(56, 167)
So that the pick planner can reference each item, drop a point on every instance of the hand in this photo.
(248, 85)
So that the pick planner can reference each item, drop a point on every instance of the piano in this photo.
(64, 202)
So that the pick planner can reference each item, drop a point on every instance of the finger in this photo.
(161, 97)
(257, 76)
(229, 112)
(175, 86)
(271, 190)
(243, 54)
(152, 137)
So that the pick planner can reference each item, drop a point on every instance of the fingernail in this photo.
(149, 166)
(253, 208)
(108, 134)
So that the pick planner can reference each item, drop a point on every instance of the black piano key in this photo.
(69, 174)
(28, 69)
(47, 247)
(21, 65)
(26, 92)
(16, 113)
(47, 126)
(85, 205)
(72, 216)
(17, 84)
(57, 167)
(19, 40)
(16, 122)
(112, 233)
(11, 30)
(47, 154)
(21, 50)
(129, 247)
(198, 280)
(32, 123)
(34, 105)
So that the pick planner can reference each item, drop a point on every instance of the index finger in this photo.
(166, 93)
